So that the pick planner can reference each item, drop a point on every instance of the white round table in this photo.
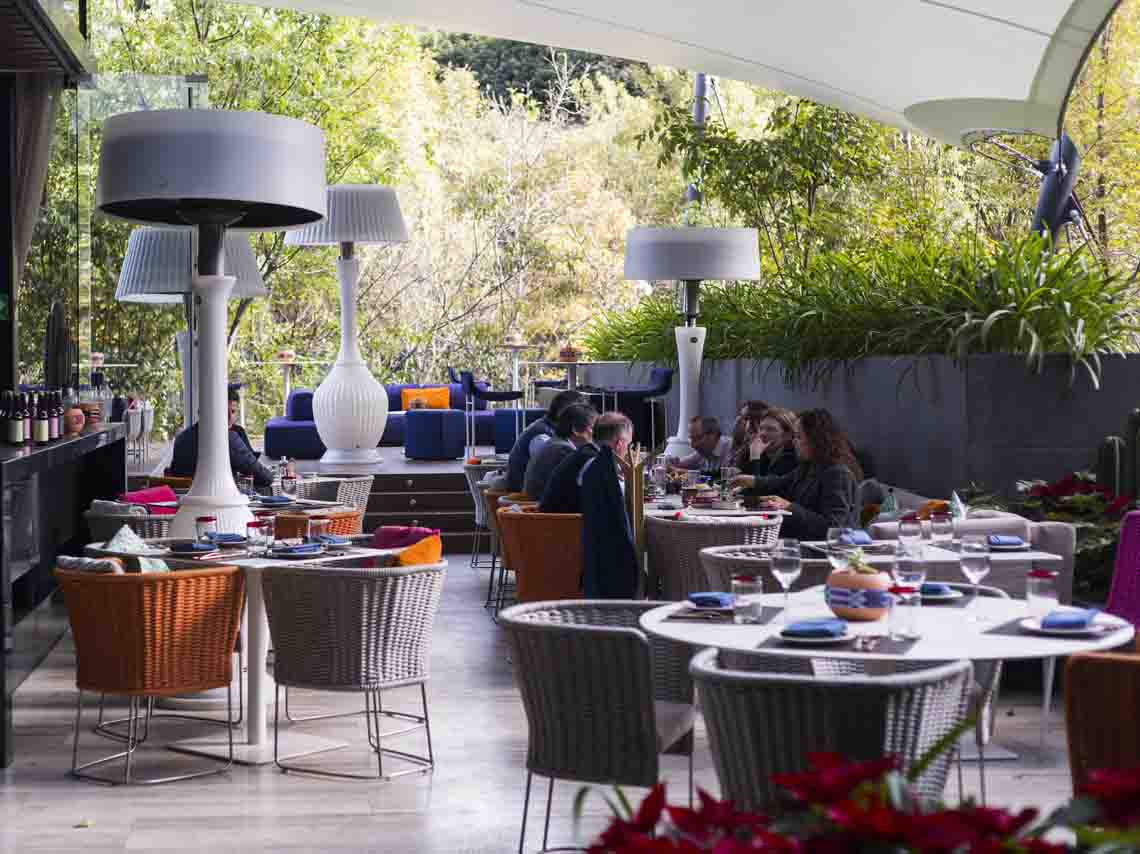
(946, 634)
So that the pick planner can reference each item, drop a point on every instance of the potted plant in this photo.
(858, 591)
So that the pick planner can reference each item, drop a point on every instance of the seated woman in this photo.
(744, 430)
(772, 449)
(820, 492)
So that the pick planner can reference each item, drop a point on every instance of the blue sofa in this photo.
(294, 434)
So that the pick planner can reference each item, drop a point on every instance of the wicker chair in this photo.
(151, 635)
(674, 548)
(722, 562)
(1102, 693)
(490, 509)
(349, 491)
(474, 472)
(546, 553)
(293, 525)
(104, 526)
(172, 481)
(602, 699)
(365, 630)
(760, 724)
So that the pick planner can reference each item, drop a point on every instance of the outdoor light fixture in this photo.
(212, 170)
(350, 406)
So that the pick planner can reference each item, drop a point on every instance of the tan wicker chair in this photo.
(1102, 694)
(365, 630)
(674, 548)
(760, 724)
(602, 699)
(293, 525)
(546, 553)
(151, 635)
(498, 565)
(170, 480)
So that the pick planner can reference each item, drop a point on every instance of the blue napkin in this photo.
(935, 588)
(1001, 540)
(303, 549)
(1069, 619)
(817, 627)
(275, 499)
(333, 540)
(855, 537)
(191, 547)
(712, 600)
(225, 537)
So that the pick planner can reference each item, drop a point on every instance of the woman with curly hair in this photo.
(820, 492)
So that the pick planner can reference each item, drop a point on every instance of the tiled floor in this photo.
(472, 803)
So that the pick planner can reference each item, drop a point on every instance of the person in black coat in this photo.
(772, 448)
(243, 458)
(537, 434)
(820, 492)
(609, 557)
(562, 493)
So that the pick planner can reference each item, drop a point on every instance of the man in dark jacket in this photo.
(243, 458)
(561, 494)
(531, 440)
(575, 429)
(609, 559)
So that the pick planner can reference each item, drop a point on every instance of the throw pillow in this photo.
(399, 536)
(108, 565)
(128, 542)
(427, 551)
(435, 397)
(116, 508)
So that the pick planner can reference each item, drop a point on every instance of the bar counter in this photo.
(44, 491)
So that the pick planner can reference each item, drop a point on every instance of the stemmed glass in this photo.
(786, 567)
(910, 535)
(975, 562)
(838, 552)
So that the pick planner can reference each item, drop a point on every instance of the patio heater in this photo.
(158, 269)
(212, 170)
(350, 406)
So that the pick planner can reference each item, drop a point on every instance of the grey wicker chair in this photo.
(722, 562)
(349, 491)
(104, 526)
(602, 699)
(474, 472)
(760, 724)
(365, 630)
(674, 549)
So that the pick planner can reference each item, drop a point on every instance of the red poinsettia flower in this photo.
(713, 819)
(1117, 791)
(831, 777)
(1118, 505)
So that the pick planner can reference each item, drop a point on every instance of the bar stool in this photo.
(472, 393)
(660, 381)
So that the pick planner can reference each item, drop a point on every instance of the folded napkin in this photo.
(148, 496)
(817, 627)
(855, 537)
(1069, 618)
(191, 547)
(225, 537)
(333, 540)
(1005, 540)
(303, 549)
(271, 500)
(935, 588)
(712, 600)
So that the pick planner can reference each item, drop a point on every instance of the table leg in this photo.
(514, 370)
(286, 381)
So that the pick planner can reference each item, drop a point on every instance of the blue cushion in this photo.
(1069, 618)
(299, 406)
(817, 627)
(484, 427)
(434, 434)
(297, 439)
(1005, 540)
(855, 537)
(394, 430)
(712, 600)
(935, 588)
(505, 427)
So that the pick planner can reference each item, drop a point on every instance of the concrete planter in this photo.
(932, 425)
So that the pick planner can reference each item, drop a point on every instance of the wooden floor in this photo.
(472, 803)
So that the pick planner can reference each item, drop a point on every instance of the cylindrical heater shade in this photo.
(159, 267)
(157, 166)
(690, 253)
(357, 213)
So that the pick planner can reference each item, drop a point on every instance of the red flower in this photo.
(1118, 505)
(631, 836)
(714, 819)
(832, 777)
(1117, 791)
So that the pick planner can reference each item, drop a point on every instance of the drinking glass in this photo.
(268, 527)
(909, 570)
(838, 552)
(751, 586)
(245, 484)
(902, 620)
(941, 529)
(288, 485)
(975, 562)
(205, 527)
(318, 527)
(786, 567)
(910, 535)
(255, 534)
(1041, 591)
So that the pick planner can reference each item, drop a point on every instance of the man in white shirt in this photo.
(711, 448)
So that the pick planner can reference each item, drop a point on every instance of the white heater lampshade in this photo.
(357, 213)
(690, 253)
(159, 267)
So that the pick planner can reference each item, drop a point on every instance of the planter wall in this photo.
(931, 425)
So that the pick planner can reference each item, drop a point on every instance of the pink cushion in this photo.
(145, 497)
(399, 536)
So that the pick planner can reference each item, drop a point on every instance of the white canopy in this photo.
(947, 68)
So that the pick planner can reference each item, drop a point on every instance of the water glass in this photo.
(975, 562)
(288, 485)
(941, 529)
(255, 534)
(910, 570)
(750, 609)
(1041, 591)
(902, 619)
(910, 535)
(268, 527)
(786, 567)
(205, 527)
(318, 527)
(245, 484)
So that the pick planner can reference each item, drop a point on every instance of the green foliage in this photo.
(899, 299)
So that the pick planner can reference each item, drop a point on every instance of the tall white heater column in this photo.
(690, 348)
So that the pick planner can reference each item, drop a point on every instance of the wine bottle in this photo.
(41, 432)
(14, 422)
(53, 416)
(26, 416)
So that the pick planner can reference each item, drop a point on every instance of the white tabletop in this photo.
(946, 634)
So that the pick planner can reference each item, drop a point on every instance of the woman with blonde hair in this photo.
(772, 449)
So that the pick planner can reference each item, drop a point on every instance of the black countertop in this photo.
(18, 462)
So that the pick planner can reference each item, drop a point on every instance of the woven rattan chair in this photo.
(498, 568)
(720, 563)
(293, 525)
(151, 635)
(760, 724)
(170, 480)
(674, 548)
(546, 553)
(1102, 694)
(602, 699)
(104, 526)
(349, 491)
(475, 472)
(365, 630)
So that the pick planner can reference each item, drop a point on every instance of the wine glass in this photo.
(838, 551)
(786, 567)
(910, 535)
(975, 563)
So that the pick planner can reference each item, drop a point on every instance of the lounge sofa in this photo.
(294, 434)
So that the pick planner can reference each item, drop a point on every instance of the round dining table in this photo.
(945, 632)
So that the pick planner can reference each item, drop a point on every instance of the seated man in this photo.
(711, 449)
(243, 459)
(609, 558)
(575, 428)
(531, 440)
(561, 494)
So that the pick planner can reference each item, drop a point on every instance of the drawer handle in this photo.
(411, 502)
(409, 483)
(415, 523)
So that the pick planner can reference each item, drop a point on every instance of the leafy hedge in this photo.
(903, 299)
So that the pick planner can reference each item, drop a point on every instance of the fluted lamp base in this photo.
(351, 410)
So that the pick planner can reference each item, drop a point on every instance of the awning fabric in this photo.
(948, 68)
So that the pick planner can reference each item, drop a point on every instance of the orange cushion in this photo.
(933, 506)
(428, 550)
(437, 397)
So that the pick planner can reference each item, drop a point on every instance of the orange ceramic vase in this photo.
(858, 596)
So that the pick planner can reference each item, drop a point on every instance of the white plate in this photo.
(297, 555)
(1033, 625)
(844, 638)
(942, 597)
(338, 547)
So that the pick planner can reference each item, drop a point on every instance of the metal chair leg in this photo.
(526, 806)
(958, 755)
(546, 823)
(1049, 666)
(982, 770)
